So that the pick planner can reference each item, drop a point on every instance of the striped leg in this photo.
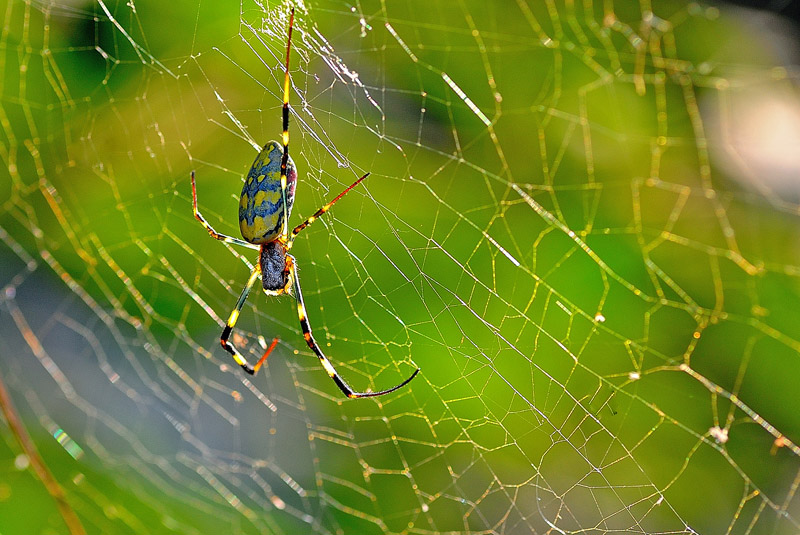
(285, 136)
(299, 228)
(226, 332)
(214, 234)
(301, 313)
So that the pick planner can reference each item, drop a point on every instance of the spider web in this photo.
(581, 223)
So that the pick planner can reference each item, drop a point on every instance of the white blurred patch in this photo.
(753, 119)
(762, 141)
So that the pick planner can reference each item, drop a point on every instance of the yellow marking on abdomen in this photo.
(256, 233)
(261, 196)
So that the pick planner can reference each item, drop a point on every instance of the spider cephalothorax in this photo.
(275, 271)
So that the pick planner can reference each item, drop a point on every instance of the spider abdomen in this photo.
(261, 203)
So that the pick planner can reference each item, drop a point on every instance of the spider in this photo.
(264, 207)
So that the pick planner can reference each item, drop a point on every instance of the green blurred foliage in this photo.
(550, 344)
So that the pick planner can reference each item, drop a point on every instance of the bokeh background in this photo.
(582, 224)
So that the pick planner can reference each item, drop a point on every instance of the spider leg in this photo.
(285, 135)
(214, 234)
(299, 228)
(226, 332)
(301, 313)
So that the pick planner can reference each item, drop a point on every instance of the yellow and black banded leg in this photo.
(299, 228)
(226, 332)
(285, 135)
(306, 327)
(214, 234)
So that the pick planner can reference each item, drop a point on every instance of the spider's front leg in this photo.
(226, 332)
(213, 233)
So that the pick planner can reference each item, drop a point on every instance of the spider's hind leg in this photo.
(301, 313)
(226, 332)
